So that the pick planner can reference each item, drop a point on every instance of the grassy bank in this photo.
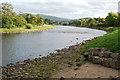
(109, 41)
(44, 27)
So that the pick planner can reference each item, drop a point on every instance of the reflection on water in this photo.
(18, 47)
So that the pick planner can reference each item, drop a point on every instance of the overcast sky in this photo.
(66, 8)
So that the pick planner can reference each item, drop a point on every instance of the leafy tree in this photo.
(7, 15)
(40, 20)
(51, 22)
(6, 8)
(111, 19)
(30, 18)
(7, 22)
(19, 21)
(118, 20)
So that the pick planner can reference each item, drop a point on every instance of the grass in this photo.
(25, 29)
(110, 41)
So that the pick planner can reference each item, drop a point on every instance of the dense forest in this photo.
(11, 19)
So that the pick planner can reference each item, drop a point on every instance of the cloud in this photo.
(66, 8)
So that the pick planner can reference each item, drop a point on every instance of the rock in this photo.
(82, 58)
(106, 54)
(95, 59)
(113, 63)
(114, 55)
(95, 51)
(86, 54)
(90, 58)
(26, 73)
(62, 78)
(40, 55)
(100, 61)
(107, 62)
(76, 68)
(101, 54)
(77, 38)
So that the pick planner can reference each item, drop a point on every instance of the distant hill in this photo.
(56, 18)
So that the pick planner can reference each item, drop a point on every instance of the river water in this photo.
(22, 46)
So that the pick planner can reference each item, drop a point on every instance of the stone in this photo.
(82, 58)
(95, 59)
(106, 54)
(95, 51)
(76, 69)
(113, 63)
(101, 54)
(86, 54)
(114, 55)
(107, 62)
(100, 61)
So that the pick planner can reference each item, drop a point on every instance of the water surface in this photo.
(22, 46)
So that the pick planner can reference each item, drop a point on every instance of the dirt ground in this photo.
(87, 70)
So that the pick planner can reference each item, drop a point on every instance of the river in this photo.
(22, 46)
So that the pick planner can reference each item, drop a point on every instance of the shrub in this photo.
(28, 26)
(110, 29)
(79, 63)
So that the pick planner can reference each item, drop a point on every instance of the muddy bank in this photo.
(47, 66)
(7, 32)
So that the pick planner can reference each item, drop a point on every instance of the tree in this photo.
(75, 23)
(118, 20)
(9, 18)
(40, 20)
(30, 18)
(19, 21)
(7, 15)
(7, 21)
(111, 19)
(7, 8)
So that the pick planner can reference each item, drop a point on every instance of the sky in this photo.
(72, 9)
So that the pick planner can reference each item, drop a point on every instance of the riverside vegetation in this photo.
(14, 23)
(45, 67)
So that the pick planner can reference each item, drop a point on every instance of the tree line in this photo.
(11, 19)
(112, 19)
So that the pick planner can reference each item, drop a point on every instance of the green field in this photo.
(110, 41)
(25, 29)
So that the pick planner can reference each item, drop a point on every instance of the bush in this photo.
(110, 29)
(79, 63)
(28, 26)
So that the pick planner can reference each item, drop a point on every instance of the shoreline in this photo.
(69, 55)
(48, 65)
(26, 31)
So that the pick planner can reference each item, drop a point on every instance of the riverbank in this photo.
(48, 66)
(67, 61)
(22, 30)
(45, 67)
